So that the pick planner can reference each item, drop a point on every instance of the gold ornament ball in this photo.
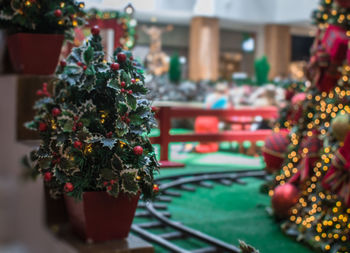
(340, 126)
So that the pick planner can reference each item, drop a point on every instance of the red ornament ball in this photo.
(130, 91)
(122, 84)
(79, 63)
(115, 66)
(109, 134)
(47, 176)
(121, 57)
(63, 63)
(55, 112)
(133, 80)
(78, 144)
(58, 13)
(284, 197)
(68, 187)
(84, 67)
(95, 30)
(274, 151)
(138, 150)
(42, 127)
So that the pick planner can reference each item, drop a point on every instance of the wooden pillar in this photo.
(278, 49)
(204, 49)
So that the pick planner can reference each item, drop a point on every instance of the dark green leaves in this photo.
(113, 83)
(88, 55)
(131, 100)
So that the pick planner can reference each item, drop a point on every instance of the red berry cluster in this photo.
(68, 187)
(63, 63)
(77, 125)
(43, 91)
(42, 126)
(55, 111)
(109, 184)
(125, 91)
(47, 176)
(78, 144)
(126, 118)
(109, 134)
(57, 158)
(80, 64)
(138, 150)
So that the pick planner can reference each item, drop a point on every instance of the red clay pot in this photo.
(100, 217)
(35, 54)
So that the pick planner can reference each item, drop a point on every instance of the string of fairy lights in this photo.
(322, 214)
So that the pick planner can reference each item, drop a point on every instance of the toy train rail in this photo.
(185, 182)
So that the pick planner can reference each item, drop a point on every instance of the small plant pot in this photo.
(100, 217)
(34, 54)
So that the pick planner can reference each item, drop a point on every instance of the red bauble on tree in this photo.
(115, 66)
(95, 30)
(58, 13)
(55, 112)
(274, 151)
(42, 127)
(78, 144)
(138, 150)
(68, 187)
(121, 57)
(47, 176)
(63, 63)
(284, 197)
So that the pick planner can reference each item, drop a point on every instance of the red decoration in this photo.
(47, 176)
(343, 3)
(84, 67)
(63, 63)
(133, 80)
(296, 110)
(138, 150)
(122, 84)
(305, 168)
(130, 91)
(206, 124)
(24, 49)
(68, 187)
(101, 217)
(284, 197)
(274, 151)
(55, 112)
(155, 188)
(58, 13)
(78, 144)
(121, 57)
(115, 66)
(337, 179)
(109, 134)
(42, 127)
(95, 30)
(79, 63)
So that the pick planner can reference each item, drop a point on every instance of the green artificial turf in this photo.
(229, 213)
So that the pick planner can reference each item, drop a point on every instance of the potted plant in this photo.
(94, 148)
(36, 30)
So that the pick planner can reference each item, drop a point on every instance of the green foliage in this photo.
(93, 125)
(41, 16)
(175, 69)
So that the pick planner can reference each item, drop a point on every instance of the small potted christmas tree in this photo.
(36, 30)
(94, 148)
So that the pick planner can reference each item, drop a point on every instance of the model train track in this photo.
(185, 182)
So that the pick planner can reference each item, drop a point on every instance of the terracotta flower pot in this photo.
(101, 217)
(35, 54)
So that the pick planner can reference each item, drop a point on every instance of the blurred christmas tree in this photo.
(318, 157)
(175, 69)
